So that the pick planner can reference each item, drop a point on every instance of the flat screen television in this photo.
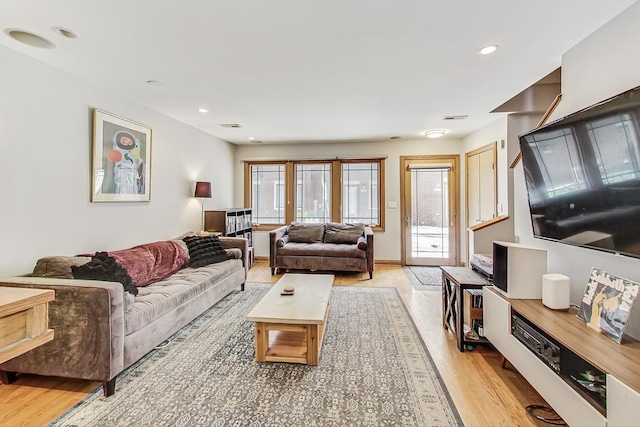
(582, 174)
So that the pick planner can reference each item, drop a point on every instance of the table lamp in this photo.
(203, 191)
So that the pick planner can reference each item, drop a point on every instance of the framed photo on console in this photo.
(121, 159)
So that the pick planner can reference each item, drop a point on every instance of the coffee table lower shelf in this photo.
(289, 343)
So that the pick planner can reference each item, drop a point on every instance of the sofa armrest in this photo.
(239, 243)
(87, 317)
(275, 235)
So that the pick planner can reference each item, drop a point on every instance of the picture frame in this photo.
(121, 159)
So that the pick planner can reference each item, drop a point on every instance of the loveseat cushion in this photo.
(306, 233)
(337, 232)
(58, 267)
(321, 250)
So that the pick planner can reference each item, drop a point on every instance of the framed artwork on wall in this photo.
(121, 161)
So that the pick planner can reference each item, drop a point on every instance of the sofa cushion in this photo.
(158, 299)
(233, 253)
(343, 233)
(306, 233)
(152, 262)
(321, 250)
(58, 267)
(204, 250)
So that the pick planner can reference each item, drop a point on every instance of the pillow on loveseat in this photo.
(337, 232)
(306, 233)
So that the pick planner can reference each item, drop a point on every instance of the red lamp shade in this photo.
(203, 189)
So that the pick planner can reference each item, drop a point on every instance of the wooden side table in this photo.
(24, 320)
(455, 280)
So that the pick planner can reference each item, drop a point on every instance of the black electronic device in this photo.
(483, 265)
(583, 176)
(535, 340)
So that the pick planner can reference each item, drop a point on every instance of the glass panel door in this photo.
(429, 215)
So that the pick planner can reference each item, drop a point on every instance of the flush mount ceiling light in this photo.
(202, 110)
(28, 38)
(434, 133)
(230, 125)
(154, 83)
(487, 50)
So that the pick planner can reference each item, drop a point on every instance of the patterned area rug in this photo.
(424, 278)
(374, 370)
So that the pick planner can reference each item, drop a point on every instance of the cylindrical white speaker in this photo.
(556, 291)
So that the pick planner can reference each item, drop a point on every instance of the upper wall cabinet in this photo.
(481, 184)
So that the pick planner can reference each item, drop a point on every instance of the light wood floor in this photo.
(483, 392)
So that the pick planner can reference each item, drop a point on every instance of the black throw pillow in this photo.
(104, 267)
(204, 250)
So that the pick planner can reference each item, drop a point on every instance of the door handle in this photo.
(407, 219)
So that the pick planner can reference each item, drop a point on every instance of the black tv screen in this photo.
(583, 176)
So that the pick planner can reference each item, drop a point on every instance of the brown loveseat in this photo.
(331, 246)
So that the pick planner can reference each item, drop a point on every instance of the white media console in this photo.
(581, 348)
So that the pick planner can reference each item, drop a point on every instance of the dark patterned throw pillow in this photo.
(104, 267)
(204, 250)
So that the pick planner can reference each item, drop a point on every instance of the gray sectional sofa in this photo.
(330, 246)
(100, 330)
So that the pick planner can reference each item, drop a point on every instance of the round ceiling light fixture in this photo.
(154, 83)
(202, 110)
(434, 133)
(29, 38)
(488, 50)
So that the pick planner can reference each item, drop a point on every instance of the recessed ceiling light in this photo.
(230, 125)
(255, 141)
(459, 117)
(251, 138)
(154, 83)
(488, 49)
(28, 38)
(434, 133)
(395, 137)
(65, 32)
(202, 110)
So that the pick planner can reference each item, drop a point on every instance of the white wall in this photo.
(45, 141)
(387, 243)
(604, 64)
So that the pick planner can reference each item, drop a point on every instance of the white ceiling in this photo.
(311, 70)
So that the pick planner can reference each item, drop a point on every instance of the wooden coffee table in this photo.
(290, 328)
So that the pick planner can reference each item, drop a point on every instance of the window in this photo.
(360, 194)
(315, 191)
(268, 193)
